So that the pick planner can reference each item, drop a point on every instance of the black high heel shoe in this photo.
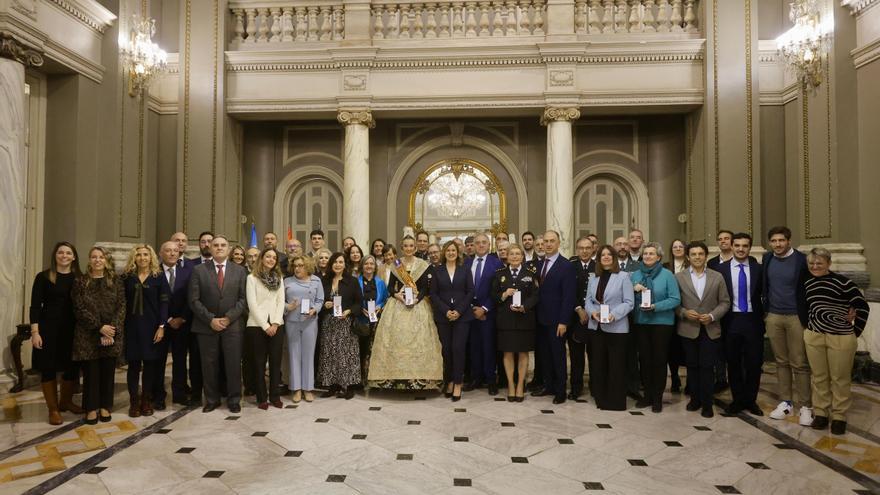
(92, 421)
(456, 398)
(105, 419)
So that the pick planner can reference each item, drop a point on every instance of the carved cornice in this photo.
(90, 19)
(556, 114)
(13, 49)
(866, 54)
(856, 7)
(356, 117)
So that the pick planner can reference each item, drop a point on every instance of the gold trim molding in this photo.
(186, 75)
(356, 117)
(558, 114)
(749, 132)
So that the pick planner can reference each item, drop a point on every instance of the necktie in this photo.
(180, 262)
(478, 273)
(585, 267)
(220, 276)
(171, 278)
(743, 292)
(515, 271)
(544, 269)
(623, 265)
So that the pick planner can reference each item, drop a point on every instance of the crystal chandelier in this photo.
(140, 56)
(457, 197)
(803, 46)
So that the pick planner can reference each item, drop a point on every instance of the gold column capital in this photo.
(555, 114)
(361, 116)
(13, 49)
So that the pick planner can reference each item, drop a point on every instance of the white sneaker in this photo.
(806, 416)
(782, 411)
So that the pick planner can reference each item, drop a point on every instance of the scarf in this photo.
(650, 274)
(270, 281)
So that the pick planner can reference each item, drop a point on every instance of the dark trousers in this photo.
(210, 346)
(702, 355)
(482, 350)
(721, 364)
(263, 345)
(98, 375)
(453, 341)
(184, 344)
(68, 375)
(633, 377)
(247, 363)
(609, 367)
(676, 359)
(538, 375)
(576, 353)
(653, 343)
(745, 355)
(552, 351)
(152, 372)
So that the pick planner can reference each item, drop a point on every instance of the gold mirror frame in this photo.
(460, 166)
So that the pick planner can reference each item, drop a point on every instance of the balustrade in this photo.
(497, 18)
(295, 23)
(321, 20)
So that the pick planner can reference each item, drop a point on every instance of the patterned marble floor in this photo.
(400, 443)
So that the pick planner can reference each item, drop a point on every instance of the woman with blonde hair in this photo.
(322, 257)
(99, 308)
(304, 295)
(265, 325)
(147, 295)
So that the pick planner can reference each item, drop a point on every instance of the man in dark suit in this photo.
(205, 239)
(584, 265)
(482, 330)
(556, 302)
(181, 240)
(743, 326)
(718, 263)
(704, 301)
(181, 340)
(217, 298)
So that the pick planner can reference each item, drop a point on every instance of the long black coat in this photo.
(146, 309)
(527, 283)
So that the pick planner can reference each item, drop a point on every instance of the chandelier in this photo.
(803, 46)
(140, 56)
(457, 197)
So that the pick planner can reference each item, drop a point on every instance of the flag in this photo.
(289, 233)
(253, 235)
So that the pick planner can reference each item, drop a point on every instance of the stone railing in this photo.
(276, 24)
(635, 16)
(496, 18)
(297, 21)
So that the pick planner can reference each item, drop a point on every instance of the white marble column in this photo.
(13, 185)
(560, 191)
(356, 174)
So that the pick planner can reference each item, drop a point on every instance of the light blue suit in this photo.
(302, 332)
(618, 296)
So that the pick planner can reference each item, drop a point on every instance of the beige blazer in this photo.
(716, 301)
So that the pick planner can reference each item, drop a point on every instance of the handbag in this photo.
(360, 328)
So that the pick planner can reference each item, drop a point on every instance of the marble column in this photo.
(356, 174)
(14, 56)
(560, 190)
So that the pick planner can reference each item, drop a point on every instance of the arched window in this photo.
(315, 203)
(457, 197)
(603, 207)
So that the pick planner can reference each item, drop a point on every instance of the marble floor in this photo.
(400, 443)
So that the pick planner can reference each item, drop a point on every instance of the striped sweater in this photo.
(829, 300)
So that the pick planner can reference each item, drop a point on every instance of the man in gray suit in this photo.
(704, 300)
(218, 299)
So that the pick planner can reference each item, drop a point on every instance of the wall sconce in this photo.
(804, 46)
(142, 58)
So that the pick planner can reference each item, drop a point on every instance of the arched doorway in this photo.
(603, 208)
(314, 203)
(456, 197)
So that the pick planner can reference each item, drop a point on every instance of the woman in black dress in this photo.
(99, 307)
(147, 295)
(51, 316)
(515, 323)
(339, 364)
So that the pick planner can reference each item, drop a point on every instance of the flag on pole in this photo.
(289, 233)
(253, 235)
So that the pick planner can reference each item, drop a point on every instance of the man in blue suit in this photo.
(182, 343)
(558, 286)
(743, 326)
(482, 331)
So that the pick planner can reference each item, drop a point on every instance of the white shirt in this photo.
(734, 278)
(477, 259)
(217, 267)
(699, 281)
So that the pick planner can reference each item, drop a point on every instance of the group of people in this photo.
(455, 317)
